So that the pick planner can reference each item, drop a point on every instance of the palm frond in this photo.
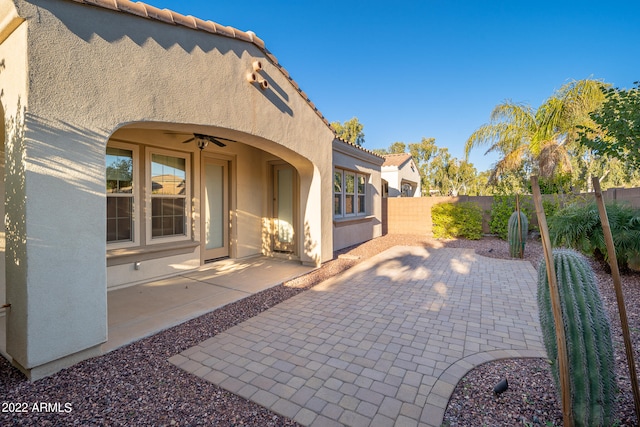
(519, 114)
(553, 158)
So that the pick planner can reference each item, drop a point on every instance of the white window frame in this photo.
(339, 194)
(356, 194)
(346, 195)
(150, 240)
(135, 195)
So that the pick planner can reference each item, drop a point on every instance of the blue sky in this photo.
(435, 68)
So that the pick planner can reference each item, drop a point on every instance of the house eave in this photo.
(349, 149)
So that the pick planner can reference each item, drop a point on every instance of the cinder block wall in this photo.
(412, 215)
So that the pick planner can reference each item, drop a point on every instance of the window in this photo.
(120, 186)
(337, 193)
(361, 193)
(349, 193)
(166, 193)
(169, 189)
(406, 189)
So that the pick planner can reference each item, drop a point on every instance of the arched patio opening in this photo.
(179, 196)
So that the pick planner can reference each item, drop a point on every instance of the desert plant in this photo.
(588, 337)
(578, 226)
(457, 220)
(517, 234)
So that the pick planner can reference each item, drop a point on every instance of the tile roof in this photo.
(396, 159)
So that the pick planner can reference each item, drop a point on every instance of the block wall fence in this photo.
(412, 215)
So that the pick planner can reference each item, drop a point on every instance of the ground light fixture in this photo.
(501, 387)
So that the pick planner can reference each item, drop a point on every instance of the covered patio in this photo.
(138, 311)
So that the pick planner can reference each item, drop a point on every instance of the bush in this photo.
(457, 220)
(550, 206)
(501, 210)
(578, 226)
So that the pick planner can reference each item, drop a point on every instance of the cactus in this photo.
(517, 234)
(587, 334)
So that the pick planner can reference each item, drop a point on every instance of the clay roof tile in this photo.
(224, 31)
(257, 40)
(137, 8)
(242, 35)
(109, 4)
(188, 21)
(203, 25)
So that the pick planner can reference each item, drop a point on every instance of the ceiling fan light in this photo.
(202, 143)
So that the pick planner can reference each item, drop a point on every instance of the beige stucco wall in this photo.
(13, 81)
(350, 231)
(90, 72)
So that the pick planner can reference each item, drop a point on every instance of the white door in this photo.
(284, 213)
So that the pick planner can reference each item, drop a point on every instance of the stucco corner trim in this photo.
(9, 24)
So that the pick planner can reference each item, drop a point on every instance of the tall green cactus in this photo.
(588, 337)
(517, 234)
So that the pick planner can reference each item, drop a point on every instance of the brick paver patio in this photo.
(383, 344)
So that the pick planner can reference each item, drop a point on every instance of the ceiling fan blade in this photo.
(225, 139)
(218, 143)
(188, 140)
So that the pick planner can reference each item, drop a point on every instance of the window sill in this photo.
(144, 253)
(350, 220)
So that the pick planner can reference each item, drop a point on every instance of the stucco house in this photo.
(401, 176)
(139, 143)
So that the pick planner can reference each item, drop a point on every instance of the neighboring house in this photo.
(401, 176)
(140, 143)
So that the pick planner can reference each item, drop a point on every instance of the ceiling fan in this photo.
(203, 140)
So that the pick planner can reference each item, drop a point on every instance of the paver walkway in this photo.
(384, 343)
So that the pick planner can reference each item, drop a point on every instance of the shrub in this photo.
(578, 226)
(550, 206)
(457, 220)
(501, 210)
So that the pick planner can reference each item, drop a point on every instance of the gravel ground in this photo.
(135, 385)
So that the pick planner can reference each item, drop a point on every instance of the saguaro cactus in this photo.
(588, 337)
(517, 234)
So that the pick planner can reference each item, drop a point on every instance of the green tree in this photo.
(480, 185)
(351, 131)
(451, 176)
(422, 153)
(618, 119)
(539, 141)
(397, 148)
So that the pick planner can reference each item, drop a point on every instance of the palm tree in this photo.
(540, 140)
(509, 133)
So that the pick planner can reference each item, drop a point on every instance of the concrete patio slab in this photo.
(384, 343)
(142, 310)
